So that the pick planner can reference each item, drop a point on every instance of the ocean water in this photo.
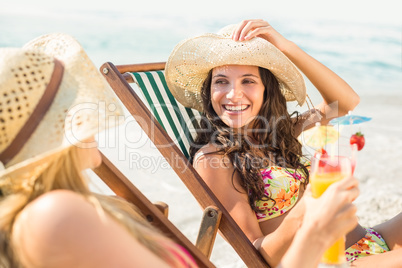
(367, 54)
(359, 40)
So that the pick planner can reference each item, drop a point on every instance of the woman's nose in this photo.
(234, 93)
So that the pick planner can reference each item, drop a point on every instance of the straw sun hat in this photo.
(51, 97)
(193, 58)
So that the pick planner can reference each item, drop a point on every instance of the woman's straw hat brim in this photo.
(192, 59)
(83, 106)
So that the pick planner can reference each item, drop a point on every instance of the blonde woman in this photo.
(53, 102)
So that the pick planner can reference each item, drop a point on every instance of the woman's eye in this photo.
(220, 81)
(248, 81)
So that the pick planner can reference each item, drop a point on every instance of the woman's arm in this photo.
(338, 96)
(274, 245)
(217, 173)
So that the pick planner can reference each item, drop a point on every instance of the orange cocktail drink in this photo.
(325, 171)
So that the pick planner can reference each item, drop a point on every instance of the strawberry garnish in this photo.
(358, 139)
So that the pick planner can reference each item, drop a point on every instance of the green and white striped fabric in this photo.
(178, 121)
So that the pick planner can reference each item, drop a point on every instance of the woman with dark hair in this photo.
(246, 149)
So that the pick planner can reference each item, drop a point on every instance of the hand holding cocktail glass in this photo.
(333, 186)
(334, 173)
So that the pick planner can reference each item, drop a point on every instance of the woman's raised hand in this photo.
(248, 29)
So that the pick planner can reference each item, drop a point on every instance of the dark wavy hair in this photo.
(271, 142)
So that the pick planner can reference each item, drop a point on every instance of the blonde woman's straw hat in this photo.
(52, 97)
(192, 59)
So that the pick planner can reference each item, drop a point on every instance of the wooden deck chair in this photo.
(170, 127)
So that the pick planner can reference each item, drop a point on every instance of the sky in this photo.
(370, 11)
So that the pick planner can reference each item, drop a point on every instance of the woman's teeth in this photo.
(235, 107)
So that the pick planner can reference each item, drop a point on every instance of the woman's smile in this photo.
(235, 108)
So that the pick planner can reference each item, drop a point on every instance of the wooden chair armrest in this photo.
(208, 229)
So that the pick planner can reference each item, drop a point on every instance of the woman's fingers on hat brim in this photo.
(257, 32)
(245, 27)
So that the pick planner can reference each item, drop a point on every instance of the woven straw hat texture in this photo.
(192, 59)
(83, 105)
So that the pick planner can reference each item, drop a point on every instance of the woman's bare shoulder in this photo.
(52, 207)
(43, 226)
(50, 204)
(210, 154)
(208, 148)
(50, 216)
(62, 228)
(210, 151)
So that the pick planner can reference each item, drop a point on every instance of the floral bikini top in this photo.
(282, 185)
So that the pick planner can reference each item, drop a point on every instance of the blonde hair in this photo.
(65, 172)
